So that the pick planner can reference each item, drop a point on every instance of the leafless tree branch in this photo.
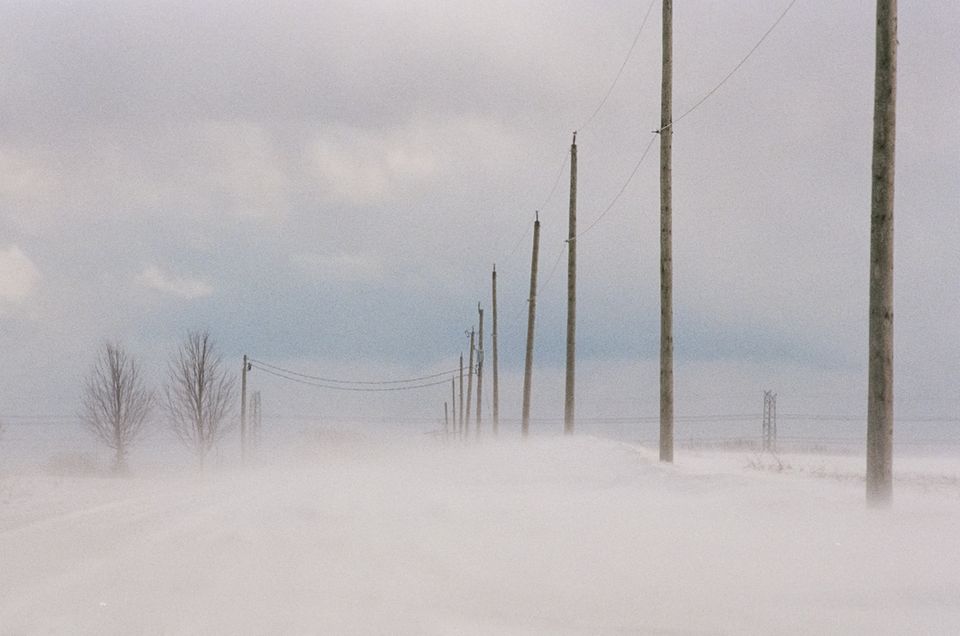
(198, 395)
(116, 404)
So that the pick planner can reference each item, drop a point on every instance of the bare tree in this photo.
(116, 403)
(198, 394)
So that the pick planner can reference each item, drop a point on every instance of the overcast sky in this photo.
(326, 185)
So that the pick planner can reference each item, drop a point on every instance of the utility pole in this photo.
(460, 424)
(243, 409)
(466, 428)
(666, 240)
(255, 420)
(480, 373)
(880, 380)
(496, 372)
(446, 421)
(568, 402)
(453, 402)
(531, 319)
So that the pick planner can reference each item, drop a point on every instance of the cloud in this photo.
(18, 276)
(361, 167)
(188, 288)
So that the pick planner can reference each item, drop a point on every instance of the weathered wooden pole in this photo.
(460, 423)
(568, 402)
(243, 410)
(880, 381)
(496, 371)
(666, 240)
(531, 320)
(480, 373)
(466, 428)
(453, 402)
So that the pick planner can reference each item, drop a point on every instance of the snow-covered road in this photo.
(557, 536)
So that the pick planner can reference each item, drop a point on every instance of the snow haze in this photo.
(556, 536)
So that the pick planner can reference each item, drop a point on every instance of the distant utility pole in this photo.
(453, 403)
(466, 428)
(880, 380)
(480, 373)
(446, 421)
(460, 424)
(769, 421)
(568, 402)
(531, 319)
(256, 419)
(666, 241)
(243, 409)
(496, 372)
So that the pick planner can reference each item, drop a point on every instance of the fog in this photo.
(339, 532)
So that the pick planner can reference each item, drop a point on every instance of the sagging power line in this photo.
(316, 378)
(372, 387)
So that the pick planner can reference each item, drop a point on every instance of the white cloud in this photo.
(18, 275)
(189, 288)
(363, 167)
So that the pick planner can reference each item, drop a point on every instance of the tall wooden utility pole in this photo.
(453, 403)
(568, 402)
(666, 240)
(466, 428)
(460, 423)
(531, 320)
(880, 382)
(243, 410)
(480, 373)
(496, 371)
(446, 421)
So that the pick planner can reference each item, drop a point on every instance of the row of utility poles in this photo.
(880, 381)
(569, 384)
(879, 481)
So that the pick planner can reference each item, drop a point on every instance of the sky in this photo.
(326, 186)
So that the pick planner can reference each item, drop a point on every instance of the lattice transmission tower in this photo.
(769, 421)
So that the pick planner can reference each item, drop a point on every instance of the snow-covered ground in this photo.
(555, 536)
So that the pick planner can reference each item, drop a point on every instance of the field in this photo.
(556, 536)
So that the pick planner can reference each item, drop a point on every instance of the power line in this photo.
(261, 364)
(556, 181)
(516, 245)
(620, 71)
(603, 101)
(649, 145)
(553, 269)
(623, 188)
(320, 385)
(734, 70)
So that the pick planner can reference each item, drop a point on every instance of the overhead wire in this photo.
(616, 79)
(553, 270)
(736, 68)
(623, 189)
(566, 157)
(261, 363)
(603, 101)
(359, 389)
(703, 99)
(589, 120)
